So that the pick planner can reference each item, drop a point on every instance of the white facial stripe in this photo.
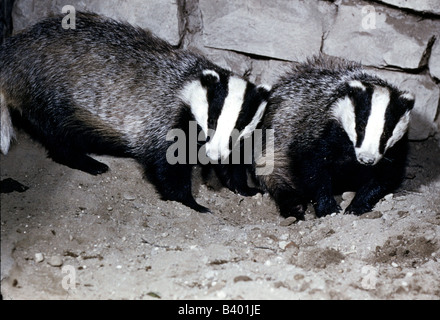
(247, 131)
(357, 84)
(374, 129)
(218, 146)
(343, 112)
(195, 95)
(399, 130)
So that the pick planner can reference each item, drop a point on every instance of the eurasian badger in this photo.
(106, 87)
(336, 128)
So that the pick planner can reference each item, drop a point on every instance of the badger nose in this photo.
(366, 158)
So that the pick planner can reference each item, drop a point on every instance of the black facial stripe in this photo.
(362, 108)
(216, 95)
(393, 114)
(251, 102)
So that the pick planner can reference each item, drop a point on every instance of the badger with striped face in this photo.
(336, 128)
(221, 103)
(109, 88)
(374, 116)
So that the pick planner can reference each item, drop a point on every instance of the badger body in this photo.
(106, 87)
(336, 128)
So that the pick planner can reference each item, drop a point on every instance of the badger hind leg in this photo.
(173, 182)
(289, 203)
(77, 160)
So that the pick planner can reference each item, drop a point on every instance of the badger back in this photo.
(375, 116)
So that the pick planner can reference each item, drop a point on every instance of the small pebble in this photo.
(283, 244)
(348, 196)
(288, 221)
(39, 257)
(389, 197)
(372, 215)
(129, 196)
(242, 278)
(55, 261)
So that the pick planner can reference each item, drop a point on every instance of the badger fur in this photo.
(336, 128)
(106, 87)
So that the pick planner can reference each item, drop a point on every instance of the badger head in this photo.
(374, 116)
(222, 103)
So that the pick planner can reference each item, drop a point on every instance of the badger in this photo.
(335, 128)
(106, 87)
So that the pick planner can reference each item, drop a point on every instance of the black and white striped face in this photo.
(221, 104)
(374, 118)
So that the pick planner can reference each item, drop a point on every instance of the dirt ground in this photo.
(75, 236)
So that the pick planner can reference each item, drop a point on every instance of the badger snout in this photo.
(367, 158)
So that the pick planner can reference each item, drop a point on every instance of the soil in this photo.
(69, 235)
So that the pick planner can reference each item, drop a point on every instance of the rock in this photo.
(434, 61)
(348, 196)
(55, 261)
(429, 6)
(39, 257)
(379, 36)
(161, 17)
(288, 221)
(427, 95)
(389, 197)
(283, 244)
(372, 215)
(242, 278)
(129, 196)
(248, 26)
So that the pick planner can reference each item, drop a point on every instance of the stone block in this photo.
(286, 30)
(428, 6)
(379, 36)
(161, 17)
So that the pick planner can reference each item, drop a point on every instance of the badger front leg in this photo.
(370, 193)
(323, 201)
(234, 177)
(173, 182)
(384, 178)
(289, 201)
(366, 198)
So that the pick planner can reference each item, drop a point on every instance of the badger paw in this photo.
(325, 208)
(248, 192)
(357, 209)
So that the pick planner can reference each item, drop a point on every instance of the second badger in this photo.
(336, 128)
(108, 88)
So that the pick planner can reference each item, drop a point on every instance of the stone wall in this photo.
(397, 39)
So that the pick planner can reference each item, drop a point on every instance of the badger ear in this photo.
(209, 77)
(408, 100)
(264, 91)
